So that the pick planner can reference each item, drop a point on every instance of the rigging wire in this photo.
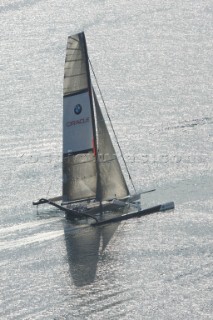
(96, 80)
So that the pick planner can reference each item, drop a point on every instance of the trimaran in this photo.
(93, 182)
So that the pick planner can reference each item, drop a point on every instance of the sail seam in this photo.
(74, 75)
(74, 93)
(72, 59)
(70, 37)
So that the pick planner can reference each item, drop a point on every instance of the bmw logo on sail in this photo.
(78, 109)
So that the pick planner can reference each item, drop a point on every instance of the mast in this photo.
(93, 118)
(82, 35)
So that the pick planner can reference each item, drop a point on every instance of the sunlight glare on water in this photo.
(153, 61)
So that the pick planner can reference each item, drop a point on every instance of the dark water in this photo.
(154, 65)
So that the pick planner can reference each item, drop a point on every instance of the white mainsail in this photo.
(79, 162)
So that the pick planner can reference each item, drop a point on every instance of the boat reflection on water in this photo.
(84, 246)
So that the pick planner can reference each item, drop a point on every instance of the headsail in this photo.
(79, 162)
(111, 182)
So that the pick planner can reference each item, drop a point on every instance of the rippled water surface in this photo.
(153, 60)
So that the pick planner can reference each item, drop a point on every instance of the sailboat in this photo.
(93, 182)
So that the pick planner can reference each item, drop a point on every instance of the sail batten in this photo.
(74, 75)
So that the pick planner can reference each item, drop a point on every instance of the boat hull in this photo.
(137, 214)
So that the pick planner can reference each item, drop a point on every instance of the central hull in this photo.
(96, 210)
